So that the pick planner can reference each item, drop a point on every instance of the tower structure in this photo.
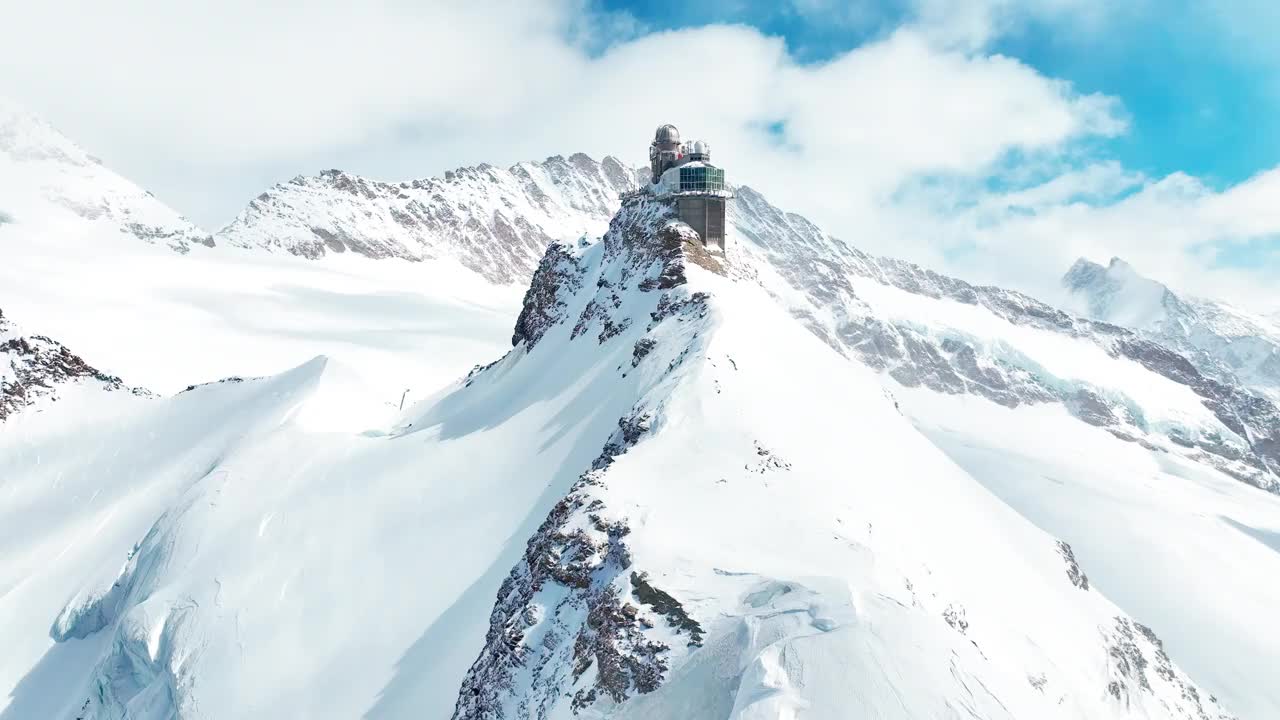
(682, 173)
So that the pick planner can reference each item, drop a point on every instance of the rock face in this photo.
(1223, 342)
(34, 368)
(625, 604)
(494, 221)
(576, 618)
(832, 278)
(53, 170)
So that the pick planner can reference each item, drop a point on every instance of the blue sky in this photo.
(998, 140)
(1199, 98)
(1199, 85)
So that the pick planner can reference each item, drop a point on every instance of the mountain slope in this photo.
(281, 546)
(72, 268)
(923, 329)
(764, 536)
(839, 291)
(36, 369)
(685, 503)
(43, 173)
(493, 221)
(1223, 341)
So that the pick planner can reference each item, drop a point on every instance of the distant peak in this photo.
(1084, 264)
(27, 136)
(1083, 273)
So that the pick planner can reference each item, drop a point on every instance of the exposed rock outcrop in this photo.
(1138, 664)
(33, 367)
(825, 271)
(577, 619)
(494, 221)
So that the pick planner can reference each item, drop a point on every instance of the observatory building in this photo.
(682, 173)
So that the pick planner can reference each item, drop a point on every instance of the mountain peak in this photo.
(1084, 272)
(494, 221)
(682, 562)
(1224, 342)
(25, 136)
(56, 176)
(1119, 294)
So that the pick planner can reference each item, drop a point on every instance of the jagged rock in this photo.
(558, 274)
(496, 222)
(1133, 649)
(576, 618)
(642, 348)
(33, 367)
(664, 604)
(1074, 573)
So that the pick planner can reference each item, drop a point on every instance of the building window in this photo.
(701, 179)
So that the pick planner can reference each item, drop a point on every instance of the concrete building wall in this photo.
(706, 215)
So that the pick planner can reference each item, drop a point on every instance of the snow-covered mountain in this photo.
(35, 369)
(685, 503)
(72, 268)
(43, 175)
(852, 300)
(495, 222)
(928, 330)
(799, 482)
(1224, 341)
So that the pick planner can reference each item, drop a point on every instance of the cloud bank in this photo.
(920, 142)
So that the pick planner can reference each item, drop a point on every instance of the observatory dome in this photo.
(667, 134)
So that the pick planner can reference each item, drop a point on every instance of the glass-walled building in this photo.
(701, 178)
(683, 174)
(693, 177)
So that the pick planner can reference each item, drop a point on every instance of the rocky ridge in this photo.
(576, 617)
(581, 628)
(494, 221)
(1223, 342)
(33, 368)
(826, 270)
(497, 222)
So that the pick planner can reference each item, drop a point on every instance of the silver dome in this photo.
(667, 134)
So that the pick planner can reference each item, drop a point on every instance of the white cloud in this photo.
(239, 83)
(1175, 229)
(205, 103)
